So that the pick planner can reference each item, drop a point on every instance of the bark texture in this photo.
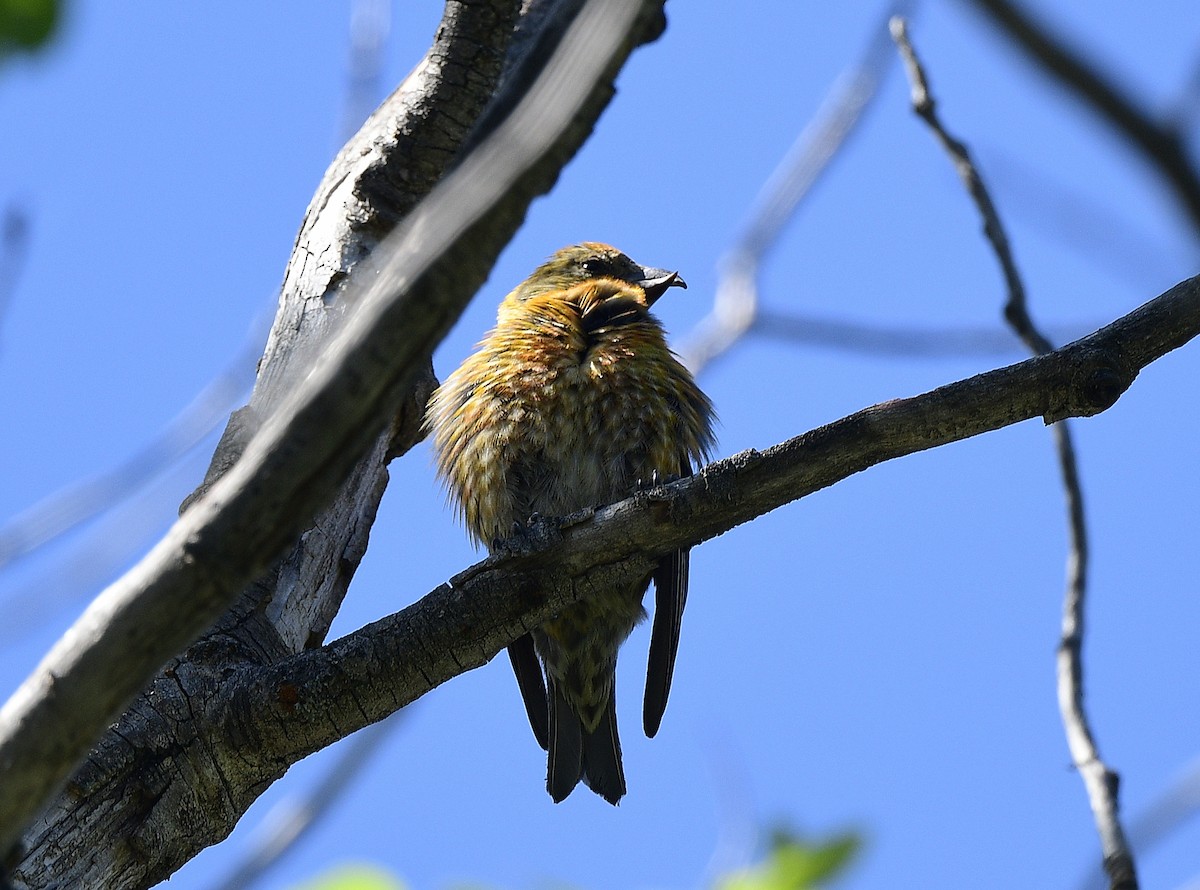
(260, 690)
(165, 781)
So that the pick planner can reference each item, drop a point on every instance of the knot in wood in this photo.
(1102, 387)
(288, 697)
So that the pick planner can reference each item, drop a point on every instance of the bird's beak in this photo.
(656, 281)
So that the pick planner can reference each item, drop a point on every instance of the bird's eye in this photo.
(595, 266)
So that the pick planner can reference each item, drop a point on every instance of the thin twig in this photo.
(67, 509)
(1175, 806)
(1101, 783)
(1162, 145)
(48, 592)
(896, 341)
(290, 820)
(1097, 232)
(735, 304)
(370, 25)
(14, 247)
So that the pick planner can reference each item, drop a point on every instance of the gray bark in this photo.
(307, 701)
(227, 717)
(340, 391)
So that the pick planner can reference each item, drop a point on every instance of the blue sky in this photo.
(879, 656)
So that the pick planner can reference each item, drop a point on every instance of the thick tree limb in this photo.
(185, 760)
(306, 702)
(291, 820)
(384, 322)
(259, 720)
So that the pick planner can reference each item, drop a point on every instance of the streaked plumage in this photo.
(574, 400)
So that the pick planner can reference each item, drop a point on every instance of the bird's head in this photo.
(590, 260)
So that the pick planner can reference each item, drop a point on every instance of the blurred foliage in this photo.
(353, 877)
(27, 24)
(796, 864)
(792, 863)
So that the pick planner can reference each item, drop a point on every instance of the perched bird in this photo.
(574, 400)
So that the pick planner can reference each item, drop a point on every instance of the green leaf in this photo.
(27, 24)
(795, 864)
(353, 877)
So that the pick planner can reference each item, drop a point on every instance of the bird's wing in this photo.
(670, 597)
(533, 688)
(564, 761)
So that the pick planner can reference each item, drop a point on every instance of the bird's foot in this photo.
(657, 479)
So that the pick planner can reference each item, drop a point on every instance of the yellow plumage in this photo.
(574, 400)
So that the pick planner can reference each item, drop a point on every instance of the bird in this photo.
(574, 400)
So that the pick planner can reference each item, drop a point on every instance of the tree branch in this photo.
(370, 358)
(260, 720)
(735, 304)
(298, 706)
(893, 340)
(1099, 780)
(14, 247)
(291, 820)
(1161, 144)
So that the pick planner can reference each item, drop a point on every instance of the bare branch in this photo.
(305, 702)
(1082, 222)
(370, 25)
(1100, 781)
(290, 820)
(402, 303)
(894, 340)
(1161, 144)
(1170, 810)
(66, 509)
(14, 246)
(735, 303)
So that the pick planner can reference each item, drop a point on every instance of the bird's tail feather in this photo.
(564, 761)
(602, 768)
(574, 753)
(528, 671)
